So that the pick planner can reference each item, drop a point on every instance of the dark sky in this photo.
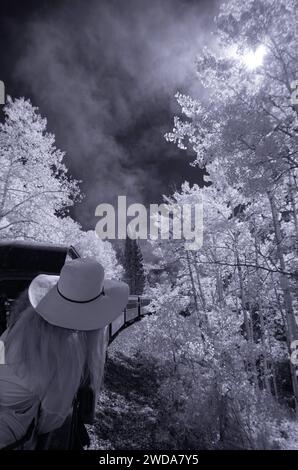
(104, 73)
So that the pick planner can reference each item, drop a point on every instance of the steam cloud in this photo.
(105, 74)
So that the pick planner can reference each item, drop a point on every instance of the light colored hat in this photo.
(80, 298)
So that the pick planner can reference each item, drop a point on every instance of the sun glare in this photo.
(254, 59)
(251, 59)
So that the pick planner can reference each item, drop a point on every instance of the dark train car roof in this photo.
(20, 259)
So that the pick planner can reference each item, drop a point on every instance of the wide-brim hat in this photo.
(80, 298)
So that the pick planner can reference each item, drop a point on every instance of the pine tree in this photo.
(133, 266)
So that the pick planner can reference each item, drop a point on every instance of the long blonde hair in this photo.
(51, 359)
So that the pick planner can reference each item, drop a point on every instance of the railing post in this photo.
(139, 306)
(110, 331)
(124, 315)
(73, 253)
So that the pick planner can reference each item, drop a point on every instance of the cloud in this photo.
(105, 74)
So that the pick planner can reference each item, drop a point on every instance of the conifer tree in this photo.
(133, 266)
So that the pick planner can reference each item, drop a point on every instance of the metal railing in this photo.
(134, 311)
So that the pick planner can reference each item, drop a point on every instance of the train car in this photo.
(20, 262)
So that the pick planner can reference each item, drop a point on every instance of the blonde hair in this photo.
(54, 361)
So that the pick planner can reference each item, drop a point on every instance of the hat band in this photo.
(80, 301)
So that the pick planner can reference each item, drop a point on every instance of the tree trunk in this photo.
(293, 204)
(194, 294)
(202, 296)
(291, 326)
(247, 324)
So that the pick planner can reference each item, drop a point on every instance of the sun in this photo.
(254, 59)
(251, 59)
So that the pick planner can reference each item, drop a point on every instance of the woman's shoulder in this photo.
(18, 407)
(13, 389)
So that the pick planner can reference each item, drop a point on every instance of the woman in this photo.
(54, 345)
